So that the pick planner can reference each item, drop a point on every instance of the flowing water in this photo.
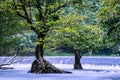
(95, 68)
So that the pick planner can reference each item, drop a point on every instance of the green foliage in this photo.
(78, 36)
(108, 16)
(8, 27)
(89, 9)
(50, 52)
(71, 22)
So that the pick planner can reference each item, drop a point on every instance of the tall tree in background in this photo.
(12, 33)
(8, 28)
(39, 16)
(82, 38)
(109, 18)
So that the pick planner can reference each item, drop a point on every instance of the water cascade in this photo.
(88, 62)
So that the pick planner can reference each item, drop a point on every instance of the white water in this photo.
(90, 72)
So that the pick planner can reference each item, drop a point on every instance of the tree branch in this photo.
(25, 12)
(20, 15)
(27, 16)
(46, 7)
(39, 8)
(11, 61)
(57, 8)
(15, 8)
(61, 6)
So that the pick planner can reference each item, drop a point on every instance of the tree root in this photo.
(45, 67)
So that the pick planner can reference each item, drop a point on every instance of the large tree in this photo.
(82, 38)
(39, 16)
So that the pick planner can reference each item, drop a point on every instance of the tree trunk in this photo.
(40, 65)
(78, 56)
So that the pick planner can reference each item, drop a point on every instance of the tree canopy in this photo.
(31, 14)
(109, 18)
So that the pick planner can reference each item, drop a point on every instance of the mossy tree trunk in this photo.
(78, 56)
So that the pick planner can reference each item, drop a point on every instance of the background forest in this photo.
(92, 26)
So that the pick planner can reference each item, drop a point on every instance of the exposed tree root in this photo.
(45, 67)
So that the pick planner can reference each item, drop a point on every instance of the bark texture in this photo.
(40, 65)
(78, 56)
(45, 67)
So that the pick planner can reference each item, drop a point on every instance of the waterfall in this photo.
(87, 61)
(70, 60)
(95, 68)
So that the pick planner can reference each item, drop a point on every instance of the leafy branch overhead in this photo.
(109, 17)
(36, 10)
(72, 33)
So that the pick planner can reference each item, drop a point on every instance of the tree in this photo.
(109, 17)
(8, 28)
(83, 38)
(39, 16)
(12, 32)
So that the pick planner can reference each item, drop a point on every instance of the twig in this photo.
(11, 61)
